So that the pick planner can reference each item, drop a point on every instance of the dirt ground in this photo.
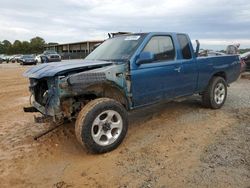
(177, 144)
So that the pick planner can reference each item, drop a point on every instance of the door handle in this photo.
(178, 69)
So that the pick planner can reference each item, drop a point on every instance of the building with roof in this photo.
(76, 50)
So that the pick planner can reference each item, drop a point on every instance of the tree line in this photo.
(34, 46)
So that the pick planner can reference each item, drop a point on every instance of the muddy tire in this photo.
(101, 125)
(215, 94)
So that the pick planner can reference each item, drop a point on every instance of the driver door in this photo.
(158, 79)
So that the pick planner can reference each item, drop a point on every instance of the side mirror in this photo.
(145, 57)
(197, 48)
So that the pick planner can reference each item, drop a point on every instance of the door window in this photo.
(162, 47)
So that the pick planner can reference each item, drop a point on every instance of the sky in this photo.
(215, 23)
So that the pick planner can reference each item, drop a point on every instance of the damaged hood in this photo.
(52, 69)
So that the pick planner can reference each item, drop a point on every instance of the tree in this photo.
(7, 46)
(6, 43)
(17, 47)
(1, 48)
(37, 45)
(26, 47)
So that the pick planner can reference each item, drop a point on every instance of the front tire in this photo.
(215, 94)
(101, 125)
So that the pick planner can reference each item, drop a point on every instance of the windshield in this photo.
(28, 56)
(49, 52)
(119, 48)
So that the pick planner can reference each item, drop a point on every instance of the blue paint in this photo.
(141, 83)
(52, 69)
(156, 81)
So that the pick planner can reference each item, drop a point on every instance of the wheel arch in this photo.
(107, 90)
(220, 74)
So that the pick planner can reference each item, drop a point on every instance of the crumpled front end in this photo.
(63, 96)
(45, 97)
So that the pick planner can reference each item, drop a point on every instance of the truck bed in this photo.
(228, 65)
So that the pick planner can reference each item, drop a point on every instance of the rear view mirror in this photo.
(145, 57)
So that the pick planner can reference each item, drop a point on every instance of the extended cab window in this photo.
(184, 43)
(162, 47)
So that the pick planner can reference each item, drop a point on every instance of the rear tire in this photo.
(101, 125)
(215, 94)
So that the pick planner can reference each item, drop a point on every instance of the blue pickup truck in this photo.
(124, 73)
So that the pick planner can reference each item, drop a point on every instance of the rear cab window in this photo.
(162, 47)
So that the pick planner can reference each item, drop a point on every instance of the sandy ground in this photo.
(177, 144)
